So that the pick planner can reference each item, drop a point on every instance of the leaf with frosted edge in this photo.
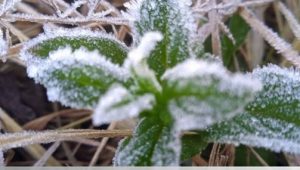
(54, 38)
(173, 19)
(280, 97)
(77, 79)
(118, 104)
(201, 93)
(257, 131)
(152, 144)
(143, 76)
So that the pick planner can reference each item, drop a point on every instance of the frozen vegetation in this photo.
(166, 80)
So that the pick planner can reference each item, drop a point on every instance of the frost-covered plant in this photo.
(169, 84)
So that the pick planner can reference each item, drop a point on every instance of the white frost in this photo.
(208, 71)
(137, 62)
(183, 26)
(206, 93)
(63, 59)
(52, 32)
(145, 47)
(281, 90)
(7, 5)
(272, 134)
(118, 104)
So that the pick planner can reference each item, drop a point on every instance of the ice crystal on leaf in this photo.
(76, 65)
(152, 144)
(137, 62)
(170, 17)
(78, 78)
(258, 131)
(118, 104)
(280, 97)
(272, 120)
(54, 38)
(196, 87)
(161, 82)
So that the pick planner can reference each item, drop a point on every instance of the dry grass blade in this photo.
(47, 155)
(291, 19)
(293, 160)
(215, 35)
(41, 122)
(21, 139)
(271, 37)
(35, 151)
(101, 146)
(77, 20)
(258, 157)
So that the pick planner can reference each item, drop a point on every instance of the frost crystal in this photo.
(167, 149)
(7, 5)
(118, 104)
(203, 93)
(78, 78)
(170, 17)
(151, 144)
(144, 49)
(258, 131)
(280, 96)
(30, 55)
(137, 62)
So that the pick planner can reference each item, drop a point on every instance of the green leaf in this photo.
(239, 29)
(192, 145)
(144, 78)
(56, 38)
(77, 79)
(153, 144)
(201, 93)
(280, 97)
(257, 131)
(118, 103)
(173, 20)
(272, 119)
(75, 65)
